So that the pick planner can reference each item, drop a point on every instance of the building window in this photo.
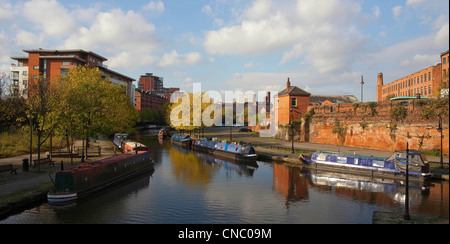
(25, 73)
(36, 67)
(294, 102)
(65, 63)
(425, 90)
(445, 60)
(64, 72)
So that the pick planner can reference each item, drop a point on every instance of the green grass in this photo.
(18, 143)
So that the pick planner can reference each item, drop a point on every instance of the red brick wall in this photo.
(284, 107)
(378, 131)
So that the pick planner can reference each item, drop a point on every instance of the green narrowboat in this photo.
(81, 181)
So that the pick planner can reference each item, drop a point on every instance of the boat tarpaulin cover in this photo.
(416, 160)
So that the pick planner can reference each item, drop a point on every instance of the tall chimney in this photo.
(380, 87)
(288, 84)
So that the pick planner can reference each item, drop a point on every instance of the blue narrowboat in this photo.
(226, 149)
(119, 138)
(390, 167)
(181, 140)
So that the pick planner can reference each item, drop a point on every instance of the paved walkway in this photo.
(11, 183)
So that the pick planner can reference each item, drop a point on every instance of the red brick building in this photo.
(52, 64)
(427, 82)
(150, 82)
(148, 100)
(293, 102)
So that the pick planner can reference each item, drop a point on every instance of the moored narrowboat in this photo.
(226, 149)
(390, 167)
(119, 138)
(78, 182)
(133, 146)
(181, 140)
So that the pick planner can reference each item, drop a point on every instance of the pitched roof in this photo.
(336, 99)
(294, 91)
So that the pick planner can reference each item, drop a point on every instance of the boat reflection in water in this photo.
(354, 184)
(300, 185)
(205, 163)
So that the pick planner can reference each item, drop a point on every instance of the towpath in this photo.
(21, 190)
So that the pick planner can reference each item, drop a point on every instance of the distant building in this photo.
(426, 82)
(292, 103)
(148, 100)
(52, 64)
(150, 82)
(318, 100)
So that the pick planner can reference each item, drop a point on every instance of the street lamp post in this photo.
(292, 129)
(362, 85)
(439, 129)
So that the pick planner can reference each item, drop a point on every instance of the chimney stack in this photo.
(288, 84)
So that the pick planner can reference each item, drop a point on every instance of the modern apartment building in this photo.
(429, 82)
(52, 64)
(155, 84)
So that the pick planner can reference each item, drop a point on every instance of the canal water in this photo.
(192, 188)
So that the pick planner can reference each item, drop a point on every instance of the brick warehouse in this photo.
(52, 64)
(427, 82)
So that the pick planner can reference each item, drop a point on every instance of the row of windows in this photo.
(413, 92)
(407, 83)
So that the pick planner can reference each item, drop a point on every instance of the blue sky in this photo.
(323, 46)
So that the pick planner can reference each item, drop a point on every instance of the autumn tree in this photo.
(42, 110)
(190, 111)
(91, 105)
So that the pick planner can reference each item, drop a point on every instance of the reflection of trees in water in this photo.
(191, 169)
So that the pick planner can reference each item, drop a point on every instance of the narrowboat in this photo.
(181, 140)
(226, 149)
(132, 146)
(78, 182)
(119, 138)
(390, 167)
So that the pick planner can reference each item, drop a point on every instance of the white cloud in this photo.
(259, 9)
(6, 10)
(130, 60)
(420, 60)
(442, 36)
(157, 6)
(4, 51)
(116, 30)
(323, 31)
(376, 11)
(415, 2)
(397, 11)
(174, 58)
(50, 16)
(251, 65)
(253, 37)
(28, 39)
